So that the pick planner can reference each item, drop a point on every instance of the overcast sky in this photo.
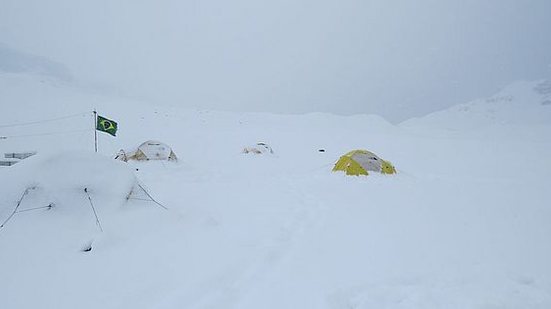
(394, 58)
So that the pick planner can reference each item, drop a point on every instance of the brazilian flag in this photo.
(106, 125)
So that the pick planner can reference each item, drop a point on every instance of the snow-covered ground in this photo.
(464, 224)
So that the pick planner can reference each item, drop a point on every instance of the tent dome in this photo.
(359, 162)
(259, 148)
(150, 150)
(155, 150)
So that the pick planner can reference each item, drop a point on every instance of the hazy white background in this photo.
(395, 58)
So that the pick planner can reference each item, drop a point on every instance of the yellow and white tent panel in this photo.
(361, 162)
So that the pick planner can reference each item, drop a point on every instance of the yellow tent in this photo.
(359, 162)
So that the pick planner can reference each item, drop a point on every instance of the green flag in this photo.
(106, 125)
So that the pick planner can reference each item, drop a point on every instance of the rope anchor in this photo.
(98, 223)
(47, 207)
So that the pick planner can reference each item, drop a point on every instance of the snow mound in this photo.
(63, 203)
(60, 177)
(521, 103)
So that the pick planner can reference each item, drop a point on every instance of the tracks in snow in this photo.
(307, 215)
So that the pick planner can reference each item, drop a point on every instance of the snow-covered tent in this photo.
(150, 150)
(259, 148)
(359, 162)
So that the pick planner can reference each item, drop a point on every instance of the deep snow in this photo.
(464, 223)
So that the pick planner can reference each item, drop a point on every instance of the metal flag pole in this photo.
(95, 130)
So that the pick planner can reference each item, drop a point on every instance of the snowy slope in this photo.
(464, 224)
(14, 61)
(521, 103)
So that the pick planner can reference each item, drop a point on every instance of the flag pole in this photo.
(95, 130)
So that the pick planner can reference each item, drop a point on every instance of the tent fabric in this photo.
(351, 167)
(150, 150)
(387, 168)
(259, 148)
(361, 162)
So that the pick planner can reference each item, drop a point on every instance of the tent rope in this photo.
(36, 208)
(47, 133)
(98, 223)
(17, 206)
(139, 199)
(151, 197)
(41, 121)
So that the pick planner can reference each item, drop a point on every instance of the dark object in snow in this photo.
(321, 150)
(8, 162)
(19, 155)
(87, 247)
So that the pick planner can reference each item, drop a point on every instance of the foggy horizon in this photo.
(397, 60)
(248, 154)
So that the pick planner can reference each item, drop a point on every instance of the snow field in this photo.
(464, 223)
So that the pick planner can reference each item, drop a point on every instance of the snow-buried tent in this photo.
(68, 195)
(359, 162)
(150, 150)
(259, 148)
